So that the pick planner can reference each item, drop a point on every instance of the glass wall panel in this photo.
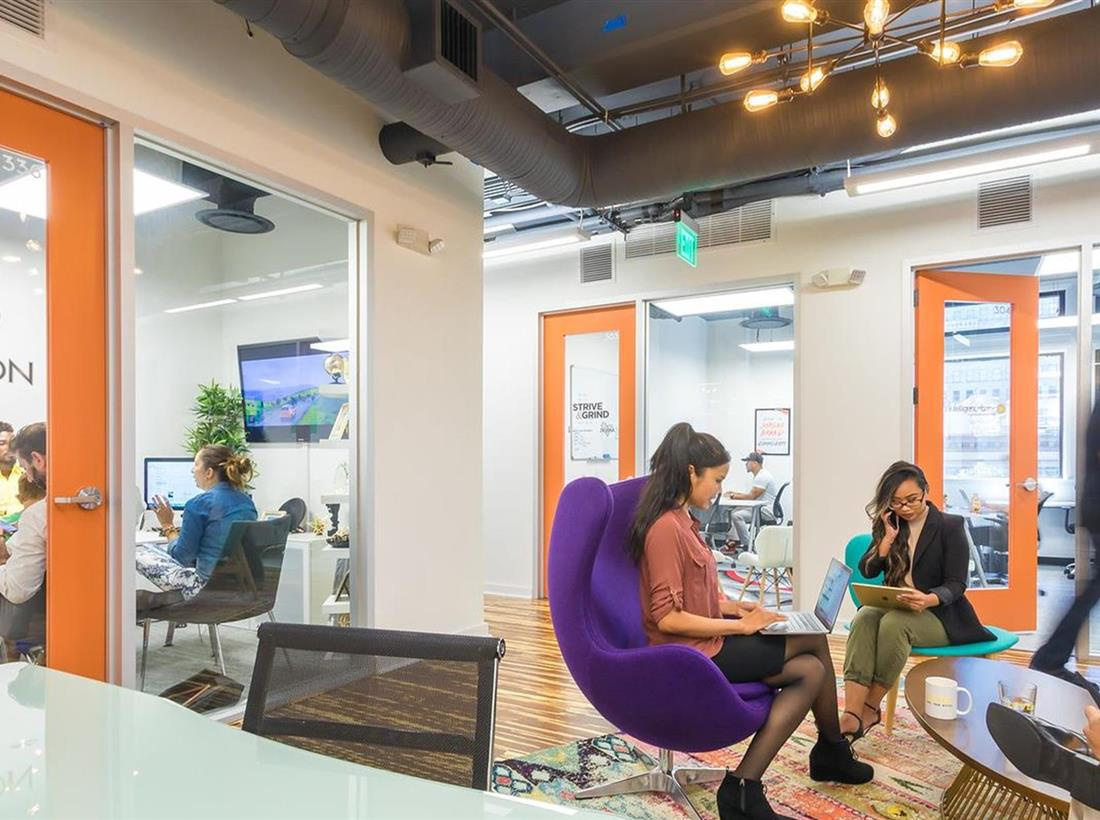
(242, 299)
(23, 390)
(592, 406)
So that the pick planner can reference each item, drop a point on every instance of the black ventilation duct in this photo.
(235, 202)
(365, 46)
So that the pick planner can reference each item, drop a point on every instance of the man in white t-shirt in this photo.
(764, 488)
(24, 570)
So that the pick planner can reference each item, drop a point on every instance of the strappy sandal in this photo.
(852, 737)
(870, 726)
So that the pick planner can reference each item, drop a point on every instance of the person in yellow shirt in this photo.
(9, 473)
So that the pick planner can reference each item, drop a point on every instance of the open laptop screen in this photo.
(832, 593)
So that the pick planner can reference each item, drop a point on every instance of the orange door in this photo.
(976, 427)
(53, 166)
(588, 403)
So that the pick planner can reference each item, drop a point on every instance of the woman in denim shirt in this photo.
(186, 563)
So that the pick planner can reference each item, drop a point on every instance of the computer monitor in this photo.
(172, 478)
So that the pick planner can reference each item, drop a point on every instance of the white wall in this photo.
(853, 374)
(188, 73)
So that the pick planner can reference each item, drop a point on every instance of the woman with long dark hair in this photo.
(917, 547)
(682, 603)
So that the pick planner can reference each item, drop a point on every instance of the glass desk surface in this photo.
(73, 747)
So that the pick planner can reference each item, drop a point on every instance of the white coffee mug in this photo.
(941, 698)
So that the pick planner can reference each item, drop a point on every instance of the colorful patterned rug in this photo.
(911, 772)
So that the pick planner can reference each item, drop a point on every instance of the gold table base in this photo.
(974, 796)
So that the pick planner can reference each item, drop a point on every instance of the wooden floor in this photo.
(538, 705)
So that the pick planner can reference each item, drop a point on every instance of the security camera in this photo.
(838, 277)
(436, 246)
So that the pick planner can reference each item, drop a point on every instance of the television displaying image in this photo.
(288, 395)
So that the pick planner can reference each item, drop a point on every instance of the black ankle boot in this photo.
(741, 799)
(833, 761)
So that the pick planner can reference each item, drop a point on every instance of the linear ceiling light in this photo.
(768, 347)
(1064, 321)
(27, 194)
(573, 237)
(491, 230)
(332, 346)
(267, 294)
(1053, 264)
(201, 306)
(962, 167)
(151, 193)
(725, 302)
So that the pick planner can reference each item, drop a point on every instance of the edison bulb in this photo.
(799, 11)
(812, 79)
(760, 99)
(1002, 55)
(875, 15)
(735, 61)
(886, 125)
(951, 52)
(880, 95)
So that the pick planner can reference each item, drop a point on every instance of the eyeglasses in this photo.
(911, 501)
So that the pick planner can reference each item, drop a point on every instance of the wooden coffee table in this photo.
(988, 785)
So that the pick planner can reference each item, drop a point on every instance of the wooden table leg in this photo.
(973, 796)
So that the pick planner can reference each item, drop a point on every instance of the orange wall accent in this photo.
(555, 328)
(76, 306)
(1013, 607)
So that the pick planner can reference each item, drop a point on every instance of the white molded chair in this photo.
(773, 560)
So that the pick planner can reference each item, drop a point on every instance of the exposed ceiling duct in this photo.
(364, 45)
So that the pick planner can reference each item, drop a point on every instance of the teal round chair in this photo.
(1003, 638)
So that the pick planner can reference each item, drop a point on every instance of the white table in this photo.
(74, 747)
(745, 503)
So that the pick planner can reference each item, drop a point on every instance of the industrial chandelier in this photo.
(879, 29)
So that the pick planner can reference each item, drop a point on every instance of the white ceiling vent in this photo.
(598, 264)
(29, 15)
(749, 223)
(1004, 202)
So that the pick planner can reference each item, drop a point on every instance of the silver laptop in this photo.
(823, 618)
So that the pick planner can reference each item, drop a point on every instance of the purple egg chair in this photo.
(670, 696)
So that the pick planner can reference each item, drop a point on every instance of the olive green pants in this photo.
(880, 639)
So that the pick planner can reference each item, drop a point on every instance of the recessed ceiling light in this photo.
(9, 258)
(138, 271)
(201, 306)
(281, 292)
(32, 272)
(768, 347)
(32, 245)
(724, 302)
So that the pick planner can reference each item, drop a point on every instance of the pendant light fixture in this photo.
(878, 28)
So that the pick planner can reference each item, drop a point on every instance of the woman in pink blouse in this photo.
(682, 603)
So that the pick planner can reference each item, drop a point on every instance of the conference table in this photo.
(755, 505)
(74, 747)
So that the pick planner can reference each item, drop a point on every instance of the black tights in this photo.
(806, 682)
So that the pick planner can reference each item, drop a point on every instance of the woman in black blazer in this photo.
(920, 548)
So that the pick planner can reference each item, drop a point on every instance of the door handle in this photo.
(88, 498)
(1029, 484)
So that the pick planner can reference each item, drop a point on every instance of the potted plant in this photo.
(219, 419)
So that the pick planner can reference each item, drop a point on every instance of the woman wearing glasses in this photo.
(924, 550)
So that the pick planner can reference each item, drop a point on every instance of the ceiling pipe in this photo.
(362, 44)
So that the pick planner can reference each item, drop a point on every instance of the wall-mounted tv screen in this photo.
(288, 396)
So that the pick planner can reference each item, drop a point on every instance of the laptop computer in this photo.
(823, 618)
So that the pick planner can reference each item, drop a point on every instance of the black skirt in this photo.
(745, 658)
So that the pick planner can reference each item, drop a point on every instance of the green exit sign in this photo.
(687, 240)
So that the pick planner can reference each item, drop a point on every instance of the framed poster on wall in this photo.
(773, 431)
(593, 414)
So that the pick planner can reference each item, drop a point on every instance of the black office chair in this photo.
(23, 627)
(714, 525)
(243, 585)
(777, 507)
(410, 702)
(296, 509)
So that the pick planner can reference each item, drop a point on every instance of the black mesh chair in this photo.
(777, 506)
(23, 625)
(296, 509)
(243, 585)
(410, 702)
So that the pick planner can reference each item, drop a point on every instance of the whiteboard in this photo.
(593, 414)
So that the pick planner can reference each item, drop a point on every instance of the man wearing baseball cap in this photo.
(764, 488)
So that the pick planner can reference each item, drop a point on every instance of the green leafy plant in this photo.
(219, 419)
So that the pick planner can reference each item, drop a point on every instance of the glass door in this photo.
(53, 372)
(976, 427)
(588, 403)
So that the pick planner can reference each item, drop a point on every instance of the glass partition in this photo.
(242, 302)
